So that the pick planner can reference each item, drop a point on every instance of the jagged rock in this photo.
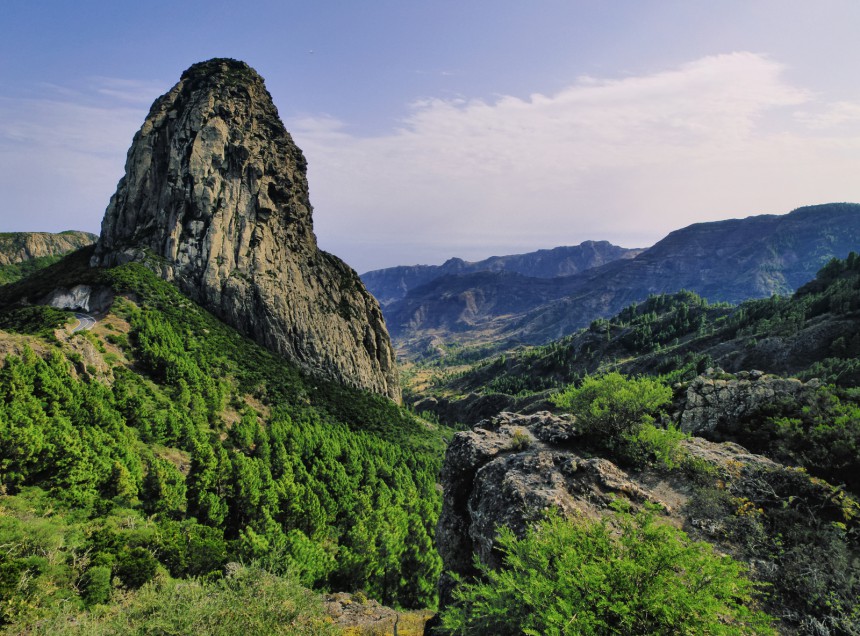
(716, 401)
(215, 198)
(16, 247)
(507, 471)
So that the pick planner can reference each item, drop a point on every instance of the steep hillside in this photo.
(723, 261)
(393, 283)
(24, 252)
(215, 198)
(163, 441)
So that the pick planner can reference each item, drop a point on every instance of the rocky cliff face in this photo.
(17, 247)
(215, 198)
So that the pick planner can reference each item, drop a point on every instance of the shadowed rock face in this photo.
(215, 198)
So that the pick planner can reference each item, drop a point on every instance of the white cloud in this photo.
(626, 159)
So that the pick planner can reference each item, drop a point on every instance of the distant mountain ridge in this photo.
(17, 247)
(22, 253)
(728, 261)
(393, 283)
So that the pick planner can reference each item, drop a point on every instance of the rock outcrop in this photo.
(17, 247)
(215, 198)
(86, 298)
(716, 402)
(511, 469)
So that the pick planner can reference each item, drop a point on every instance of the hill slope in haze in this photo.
(722, 261)
(393, 283)
(813, 334)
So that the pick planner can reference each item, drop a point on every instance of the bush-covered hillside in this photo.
(163, 441)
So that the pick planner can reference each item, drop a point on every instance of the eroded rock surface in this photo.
(17, 247)
(215, 198)
(512, 469)
(715, 401)
(80, 298)
(508, 471)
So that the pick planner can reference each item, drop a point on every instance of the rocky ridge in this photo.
(215, 198)
(17, 247)
(393, 283)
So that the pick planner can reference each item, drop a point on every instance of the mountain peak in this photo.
(215, 198)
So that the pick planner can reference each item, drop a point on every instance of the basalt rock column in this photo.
(215, 198)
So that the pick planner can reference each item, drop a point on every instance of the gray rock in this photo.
(509, 470)
(80, 298)
(215, 198)
(712, 403)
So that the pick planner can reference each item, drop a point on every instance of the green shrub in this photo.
(657, 446)
(582, 577)
(613, 405)
(136, 567)
(248, 601)
(95, 585)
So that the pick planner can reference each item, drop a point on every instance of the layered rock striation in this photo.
(215, 198)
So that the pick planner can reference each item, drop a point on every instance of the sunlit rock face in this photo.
(215, 198)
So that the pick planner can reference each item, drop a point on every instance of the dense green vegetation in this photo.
(197, 448)
(804, 533)
(821, 433)
(138, 463)
(626, 575)
(616, 415)
(249, 600)
(35, 320)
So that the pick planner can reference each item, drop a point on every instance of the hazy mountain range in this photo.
(727, 261)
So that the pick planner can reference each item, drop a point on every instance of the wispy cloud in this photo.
(62, 153)
(623, 159)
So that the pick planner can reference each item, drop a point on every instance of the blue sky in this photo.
(438, 129)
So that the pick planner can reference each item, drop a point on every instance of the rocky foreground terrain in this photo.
(511, 469)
